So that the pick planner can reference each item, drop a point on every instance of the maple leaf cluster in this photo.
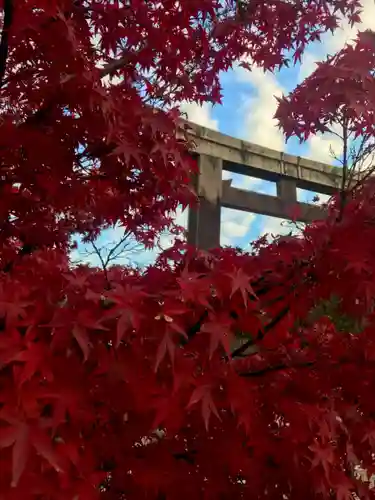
(342, 88)
(207, 375)
(134, 391)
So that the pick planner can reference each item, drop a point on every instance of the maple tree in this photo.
(125, 384)
(338, 98)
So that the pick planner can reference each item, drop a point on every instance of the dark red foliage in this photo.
(130, 384)
(341, 87)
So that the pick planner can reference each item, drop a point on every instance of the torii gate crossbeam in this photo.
(217, 152)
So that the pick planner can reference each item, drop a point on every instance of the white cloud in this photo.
(235, 224)
(227, 175)
(199, 114)
(167, 239)
(308, 65)
(243, 181)
(274, 226)
(324, 147)
(249, 183)
(259, 124)
(331, 43)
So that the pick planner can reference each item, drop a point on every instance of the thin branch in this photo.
(359, 156)
(106, 257)
(275, 368)
(344, 155)
(112, 255)
(264, 287)
(103, 263)
(4, 43)
(368, 174)
(113, 66)
(299, 365)
(275, 320)
(335, 133)
(360, 151)
(343, 193)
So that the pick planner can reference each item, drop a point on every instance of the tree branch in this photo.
(102, 262)
(4, 43)
(275, 368)
(343, 193)
(302, 364)
(114, 65)
(279, 316)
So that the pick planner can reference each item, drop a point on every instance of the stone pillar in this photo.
(204, 221)
(287, 190)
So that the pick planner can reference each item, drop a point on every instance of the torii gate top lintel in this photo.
(217, 152)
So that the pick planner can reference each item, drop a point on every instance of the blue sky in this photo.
(247, 113)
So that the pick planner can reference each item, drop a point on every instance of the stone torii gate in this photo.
(217, 152)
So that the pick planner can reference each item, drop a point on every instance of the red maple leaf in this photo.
(323, 456)
(219, 328)
(127, 302)
(203, 394)
(21, 437)
(242, 282)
